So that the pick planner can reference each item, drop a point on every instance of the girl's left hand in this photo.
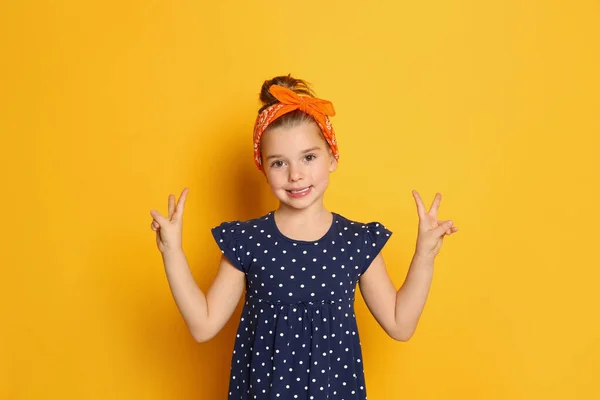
(431, 231)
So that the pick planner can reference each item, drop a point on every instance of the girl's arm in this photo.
(398, 312)
(204, 315)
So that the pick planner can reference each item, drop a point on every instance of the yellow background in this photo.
(107, 107)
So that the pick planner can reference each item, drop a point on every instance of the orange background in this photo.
(107, 107)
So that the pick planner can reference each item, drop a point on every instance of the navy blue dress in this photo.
(297, 337)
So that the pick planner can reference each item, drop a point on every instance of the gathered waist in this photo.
(304, 303)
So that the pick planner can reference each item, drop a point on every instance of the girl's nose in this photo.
(295, 173)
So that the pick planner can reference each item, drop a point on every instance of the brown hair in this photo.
(295, 117)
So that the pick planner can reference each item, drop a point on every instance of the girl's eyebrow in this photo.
(303, 152)
(311, 149)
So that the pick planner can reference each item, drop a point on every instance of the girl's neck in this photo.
(305, 224)
(314, 212)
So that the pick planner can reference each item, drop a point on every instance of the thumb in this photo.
(159, 217)
(439, 231)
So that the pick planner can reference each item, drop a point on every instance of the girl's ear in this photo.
(333, 163)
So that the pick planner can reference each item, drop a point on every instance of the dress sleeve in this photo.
(230, 239)
(375, 236)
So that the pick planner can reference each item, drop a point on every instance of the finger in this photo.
(440, 230)
(433, 210)
(181, 203)
(171, 206)
(159, 217)
(155, 224)
(420, 205)
(451, 231)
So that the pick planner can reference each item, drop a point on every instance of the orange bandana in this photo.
(289, 101)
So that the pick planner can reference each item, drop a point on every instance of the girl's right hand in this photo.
(168, 229)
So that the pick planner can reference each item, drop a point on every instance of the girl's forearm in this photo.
(188, 297)
(412, 295)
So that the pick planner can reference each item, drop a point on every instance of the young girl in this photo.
(300, 264)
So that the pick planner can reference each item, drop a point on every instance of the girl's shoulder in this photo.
(235, 237)
(368, 238)
(358, 227)
(244, 225)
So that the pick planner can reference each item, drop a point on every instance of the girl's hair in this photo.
(295, 117)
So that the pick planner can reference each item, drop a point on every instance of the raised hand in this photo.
(168, 229)
(431, 231)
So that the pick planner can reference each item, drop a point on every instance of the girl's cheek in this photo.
(274, 177)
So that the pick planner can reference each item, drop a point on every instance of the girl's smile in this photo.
(297, 193)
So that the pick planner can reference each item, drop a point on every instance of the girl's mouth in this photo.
(296, 193)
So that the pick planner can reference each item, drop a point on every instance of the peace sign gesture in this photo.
(431, 231)
(168, 229)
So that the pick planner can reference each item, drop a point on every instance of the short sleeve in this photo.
(230, 239)
(375, 236)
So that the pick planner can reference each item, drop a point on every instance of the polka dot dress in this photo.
(297, 337)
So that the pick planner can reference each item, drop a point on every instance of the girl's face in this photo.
(297, 162)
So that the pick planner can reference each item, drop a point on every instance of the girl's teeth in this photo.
(300, 191)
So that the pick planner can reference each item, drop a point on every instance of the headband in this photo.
(289, 101)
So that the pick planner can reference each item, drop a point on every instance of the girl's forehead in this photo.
(292, 139)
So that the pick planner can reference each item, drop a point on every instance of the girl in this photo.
(300, 264)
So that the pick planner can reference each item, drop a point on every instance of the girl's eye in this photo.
(310, 157)
(277, 164)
